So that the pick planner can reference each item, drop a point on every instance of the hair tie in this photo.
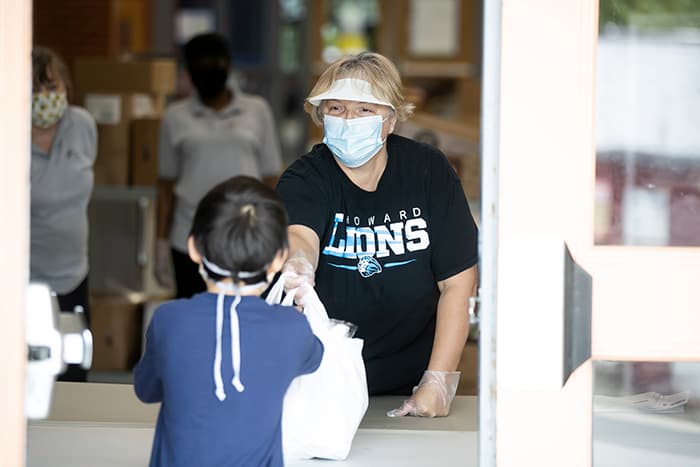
(249, 210)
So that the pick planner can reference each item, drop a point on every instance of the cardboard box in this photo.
(144, 151)
(116, 331)
(114, 114)
(469, 366)
(157, 76)
(115, 92)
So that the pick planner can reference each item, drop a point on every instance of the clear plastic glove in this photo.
(432, 397)
(163, 268)
(298, 296)
(301, 294)
(298, 271)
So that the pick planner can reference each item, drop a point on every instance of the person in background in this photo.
(64, 148)
(381, 224)
(218, 133)
(232, 416)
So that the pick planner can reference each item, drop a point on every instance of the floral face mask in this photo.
(48, 108)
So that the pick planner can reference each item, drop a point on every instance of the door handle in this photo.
(54, 340)
(77, 338)
(44, 349)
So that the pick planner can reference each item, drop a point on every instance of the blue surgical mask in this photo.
(353, 142)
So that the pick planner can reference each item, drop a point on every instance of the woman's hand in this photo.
(432, 397)
(298, 274)
(298, 270)
(303, 257)
(436, 389)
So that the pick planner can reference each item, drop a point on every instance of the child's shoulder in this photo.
(178, 307)
(172, 306)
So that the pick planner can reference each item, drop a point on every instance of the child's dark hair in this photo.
(239, 226)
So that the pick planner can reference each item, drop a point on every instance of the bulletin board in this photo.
(436, 30)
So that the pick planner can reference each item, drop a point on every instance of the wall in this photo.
(93, 27)
(15, 79)
(75, 27)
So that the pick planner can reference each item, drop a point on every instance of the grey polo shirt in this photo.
(61, 184)
(200, 147)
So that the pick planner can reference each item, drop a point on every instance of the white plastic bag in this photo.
(323, 410)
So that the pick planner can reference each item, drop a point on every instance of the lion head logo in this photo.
(368, 266)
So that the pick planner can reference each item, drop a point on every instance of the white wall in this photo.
(15, 86)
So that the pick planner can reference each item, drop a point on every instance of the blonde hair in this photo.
(374, 68)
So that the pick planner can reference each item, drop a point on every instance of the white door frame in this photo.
(15, 86)
(490, 115)
(538, 176)
(538, 170)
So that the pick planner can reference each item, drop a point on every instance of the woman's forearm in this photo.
(303, 240)
(452, 327)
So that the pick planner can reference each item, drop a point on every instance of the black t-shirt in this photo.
(383, 252)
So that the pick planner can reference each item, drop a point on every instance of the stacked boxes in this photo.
(118, 94)
(126, 98)
(116, 331)
(144, 151)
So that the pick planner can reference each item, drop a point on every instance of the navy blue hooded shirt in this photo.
(204, 419)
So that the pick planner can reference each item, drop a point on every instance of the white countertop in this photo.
(645, 439)
(95, 424)
(76, 444)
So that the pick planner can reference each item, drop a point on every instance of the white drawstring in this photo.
(235, 347)
(218, 380)
(229, 287)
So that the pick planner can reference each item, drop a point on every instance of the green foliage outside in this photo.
(650, 14)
